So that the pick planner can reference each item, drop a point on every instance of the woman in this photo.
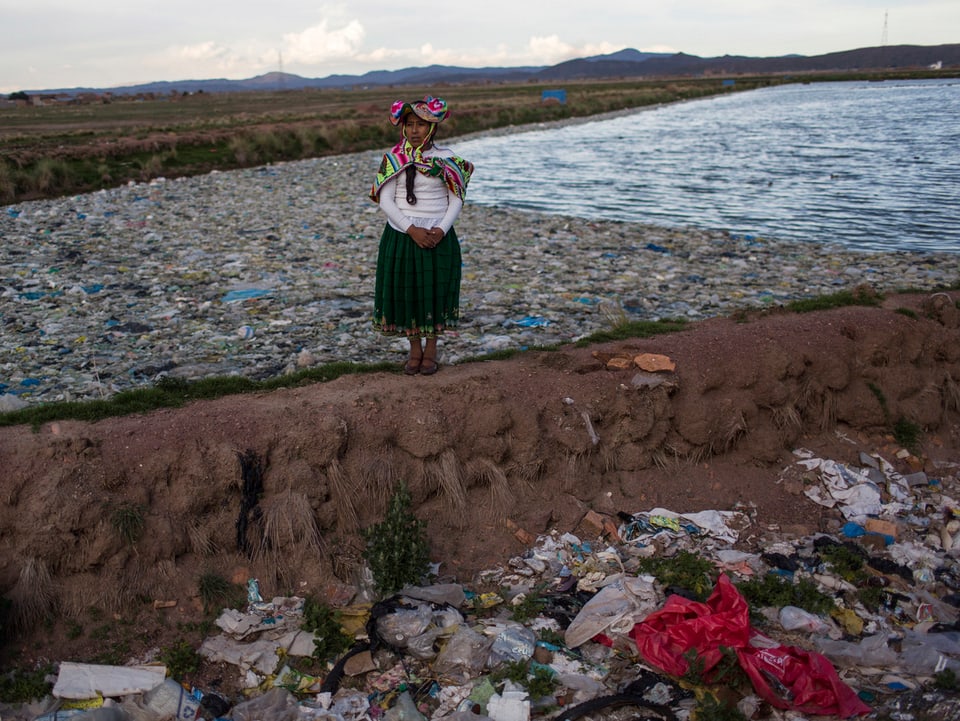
(420, 189)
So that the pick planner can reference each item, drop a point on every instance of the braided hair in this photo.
(411, 170)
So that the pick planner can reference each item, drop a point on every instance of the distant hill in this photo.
(626, 63)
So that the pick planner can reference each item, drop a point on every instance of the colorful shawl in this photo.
(455, 171)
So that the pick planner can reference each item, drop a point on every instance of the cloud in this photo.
(320, 44)
(547, 50)
(204, 59)
(551, 49)
(202, 52)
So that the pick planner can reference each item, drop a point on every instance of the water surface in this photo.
(871, 165)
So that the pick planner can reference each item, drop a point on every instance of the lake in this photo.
(870, 165)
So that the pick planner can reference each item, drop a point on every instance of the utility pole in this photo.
(883, 41)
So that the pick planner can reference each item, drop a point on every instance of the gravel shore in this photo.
(267, 270)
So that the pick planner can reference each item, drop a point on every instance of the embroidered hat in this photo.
(431, 109)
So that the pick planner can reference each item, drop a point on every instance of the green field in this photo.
(61, 148)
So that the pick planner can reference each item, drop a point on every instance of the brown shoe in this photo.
(412, 366)
(428, 366)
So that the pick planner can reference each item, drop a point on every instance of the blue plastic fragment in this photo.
(853, 530)
(247, 294)
(531, 321)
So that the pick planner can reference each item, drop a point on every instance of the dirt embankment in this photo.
(277, 486)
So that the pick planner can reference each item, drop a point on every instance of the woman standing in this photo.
(420, 188)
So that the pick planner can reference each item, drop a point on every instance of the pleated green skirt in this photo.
(417, 291)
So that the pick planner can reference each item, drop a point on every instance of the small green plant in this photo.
(772, 590)
(873, 597)
(726, 674)
(127, 520)
(907, 312)
(101, 633)
(530, 606)
(541, 681)
(946, 680)
(861, 295)
(633, 329)
(710, 708)
(513, 671)
(554, 638)
(685, 570)
(881, 399)
(324, 623)
(846, 563)
(908, 434)
(74, 630)
(180, 659)
(202, 628)
(22, 686)
(113, 649)
(215, 591)
(397, 548)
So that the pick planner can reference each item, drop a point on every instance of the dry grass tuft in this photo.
(290, 536)
(113, 480)
(576, 468)
(166, 569)
(485, 472)
(33, 597)
(342, 490)
(288, 522)
(201, 540)
(668, 457)
(818, 404)
(347, 559)
(951, 394)
(733, 429)
(613, 313)
(380, 477)
(787, 418)
(446, 475)
(527, 472)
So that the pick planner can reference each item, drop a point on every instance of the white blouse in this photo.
(437, 206)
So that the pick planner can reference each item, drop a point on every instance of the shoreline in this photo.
(114, 290)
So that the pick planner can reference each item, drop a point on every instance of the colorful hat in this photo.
(431, 109)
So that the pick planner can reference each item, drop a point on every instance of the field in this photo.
(59, 149)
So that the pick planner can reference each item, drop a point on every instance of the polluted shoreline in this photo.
(657, 612)
(264, 271)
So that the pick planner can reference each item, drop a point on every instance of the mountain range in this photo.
(627, 63)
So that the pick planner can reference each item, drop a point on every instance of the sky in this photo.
(58, 44)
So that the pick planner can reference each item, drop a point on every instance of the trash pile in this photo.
(659, 612)
(265, 271)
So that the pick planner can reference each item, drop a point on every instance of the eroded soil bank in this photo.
(278, 486)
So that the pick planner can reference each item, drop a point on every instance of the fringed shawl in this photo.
(454, 170)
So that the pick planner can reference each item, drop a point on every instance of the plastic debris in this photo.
(236, 273)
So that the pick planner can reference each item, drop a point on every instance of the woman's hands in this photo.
(426, 238)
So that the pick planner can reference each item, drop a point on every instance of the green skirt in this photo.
(417, 291)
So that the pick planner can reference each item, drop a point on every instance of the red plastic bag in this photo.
(785, 676)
